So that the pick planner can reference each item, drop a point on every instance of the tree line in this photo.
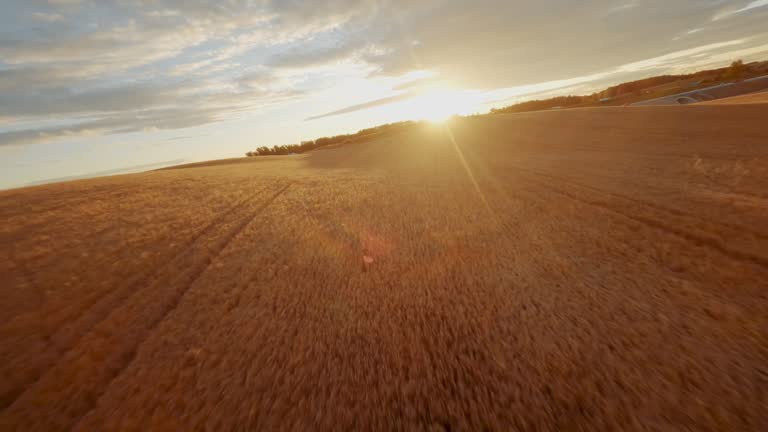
(304, 146)
(737, 70)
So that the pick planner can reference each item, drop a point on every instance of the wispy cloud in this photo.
(735, 11)
(47, 17)
(673, 59)
(623, 7)
(366, 105)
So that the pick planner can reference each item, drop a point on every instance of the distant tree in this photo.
(736, 70)
(304, 146)
(539, 105)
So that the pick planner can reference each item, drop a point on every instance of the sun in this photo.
(438, 105)
(437, 118)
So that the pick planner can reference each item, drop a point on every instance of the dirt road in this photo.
(598, 269)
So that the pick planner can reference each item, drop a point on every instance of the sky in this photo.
(98, 87)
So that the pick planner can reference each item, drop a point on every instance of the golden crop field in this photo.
(589, 269)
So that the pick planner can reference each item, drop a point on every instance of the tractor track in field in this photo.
(123, 354)
(174, 303)
(667, 211)
(79, 323)
(699, 239)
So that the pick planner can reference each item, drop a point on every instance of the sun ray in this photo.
(468, 170)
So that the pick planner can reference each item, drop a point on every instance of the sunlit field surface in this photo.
(595, 269)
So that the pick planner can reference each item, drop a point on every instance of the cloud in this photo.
(528, 43)
(140, 121)
(302, 58)
(47, 17)
(107, 75)
(365, 105)
(140, 60)
(64, 101)
(23, 79)
(416, 83)
(728, 12)
(127, 110)
(622, 7)
(673, 59)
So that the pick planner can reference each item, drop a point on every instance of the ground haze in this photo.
(590, 269)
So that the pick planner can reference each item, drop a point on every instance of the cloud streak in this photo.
(730, 11)
(365, 105)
